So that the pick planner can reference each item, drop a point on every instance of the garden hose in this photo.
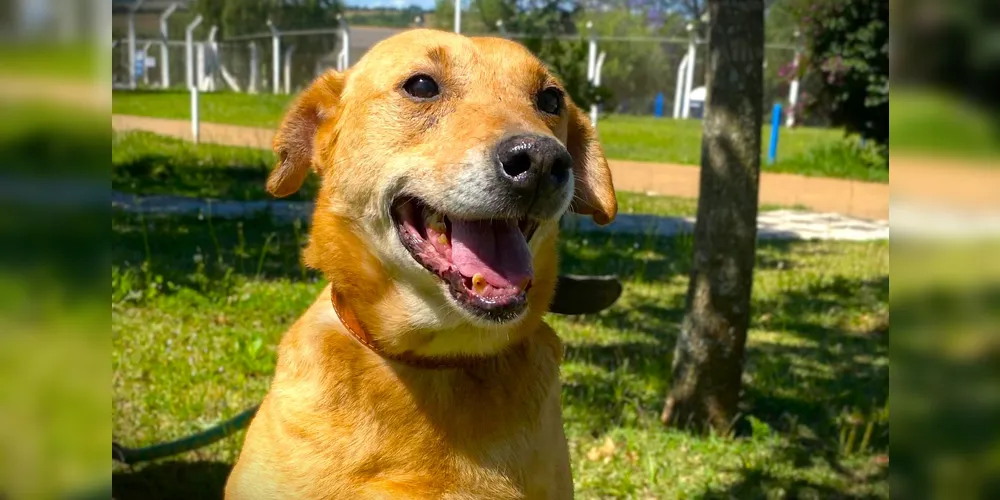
(222, 430)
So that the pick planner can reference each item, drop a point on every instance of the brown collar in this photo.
(353, 325)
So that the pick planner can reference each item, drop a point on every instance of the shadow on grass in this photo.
(147, 164)
(801, 387)
(820, 386)
(171, 481)
(205, 252)
(757, 483)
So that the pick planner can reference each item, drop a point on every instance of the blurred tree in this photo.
(708, 360)
(399, 18)
(949, 44)
(242, 17)
(847, 45)
(444, 14)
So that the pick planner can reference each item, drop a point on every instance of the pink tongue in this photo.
(495, 249)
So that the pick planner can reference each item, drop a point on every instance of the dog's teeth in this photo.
(479, 283)
(432, 219)
(438, 227)
(443, 239)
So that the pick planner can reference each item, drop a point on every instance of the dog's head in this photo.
(446, 163)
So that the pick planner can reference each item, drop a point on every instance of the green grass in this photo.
(804, 151)
(148, 164)
(260, 110)
(198, 307)
(40, 139)
(932, 122)
(68, 62)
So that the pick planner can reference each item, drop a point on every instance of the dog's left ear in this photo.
(295, 142)
(595, 194)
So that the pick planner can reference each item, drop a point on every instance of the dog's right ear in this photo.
(294, 144)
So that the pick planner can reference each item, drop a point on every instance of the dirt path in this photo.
(853, 198)
(78, 95)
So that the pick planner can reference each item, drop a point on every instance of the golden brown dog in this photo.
(424, 369)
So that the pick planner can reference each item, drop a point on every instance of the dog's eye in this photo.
(549, 101)
(421, 87)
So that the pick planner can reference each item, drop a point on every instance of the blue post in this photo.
(772, 151)
(658, 105)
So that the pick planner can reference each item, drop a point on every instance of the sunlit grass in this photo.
(199, 305)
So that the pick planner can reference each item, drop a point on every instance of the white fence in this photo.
(644, 75)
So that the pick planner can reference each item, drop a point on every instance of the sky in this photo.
(425, 4)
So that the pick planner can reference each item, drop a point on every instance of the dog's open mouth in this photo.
(485, 263)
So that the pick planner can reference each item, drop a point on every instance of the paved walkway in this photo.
(780, 224)
(864, 200)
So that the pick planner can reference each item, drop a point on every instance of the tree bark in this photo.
(708, 360)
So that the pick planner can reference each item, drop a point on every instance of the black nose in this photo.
(533, 163)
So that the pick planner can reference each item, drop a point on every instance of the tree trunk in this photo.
(708, 361)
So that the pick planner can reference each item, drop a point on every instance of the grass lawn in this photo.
(67, 62)
(43, 139)
(930, 122)
(198, 307)
(805, 151)
(148, 164)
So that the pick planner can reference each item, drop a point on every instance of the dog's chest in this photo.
(476, 432)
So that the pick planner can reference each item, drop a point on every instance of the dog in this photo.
(424, 369)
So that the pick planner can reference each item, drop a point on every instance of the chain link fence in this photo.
(636, 73)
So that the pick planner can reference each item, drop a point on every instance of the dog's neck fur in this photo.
(350, 321)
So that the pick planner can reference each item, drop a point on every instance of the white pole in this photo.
(344, 56)
(164, 50)
(597, 83)
(793, 89)
(195, 119)
(213, 57)
(102, 27)
(189, 51)
(345, 33)
(458, 16)
(679, 88)
(591, 52)
(254, 63)
(131, 48)
(275, 57)
(131, 43)
(199, 72)
(689, 78)
(288, 68)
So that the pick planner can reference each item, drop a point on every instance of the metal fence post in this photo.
(679, 87)
(131, 42)
(793, 88)
(254, 62)
(692, 64)
(344, 56)
(275, 57)
(164, 49)
(189, 51)
(288, 68)
(212, 57)
(597, 83)
(195, 119)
